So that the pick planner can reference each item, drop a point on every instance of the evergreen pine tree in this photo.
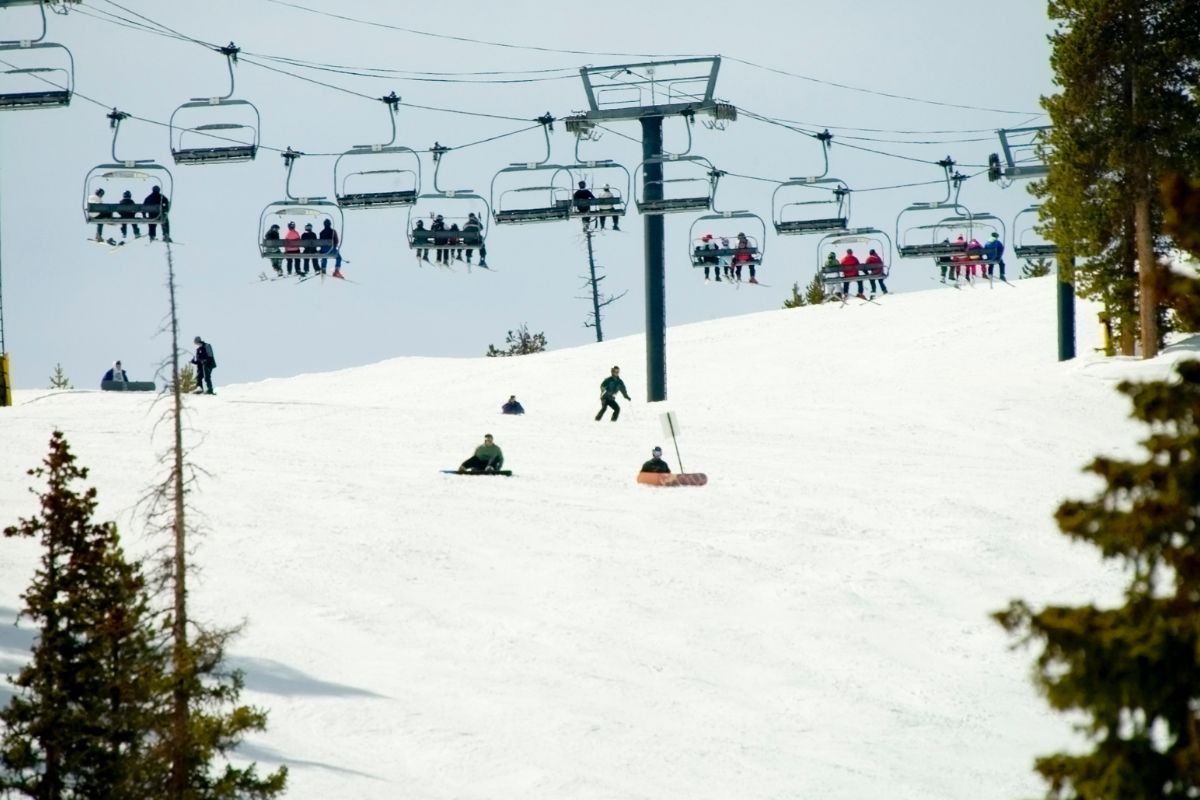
(520, 342)
(80, 723)
(187, 379)
(815, 293)
(59, 379)
(796, 300)
(1035, 268)
(1132, 671)
(1125, 116)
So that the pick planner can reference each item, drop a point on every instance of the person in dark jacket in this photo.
(609, 388)
(440, 238)
(582, 197)
(116, 373)
(309, 238)
(272, 235)
(205, 364)
(656, 463)
(473, 234)
(127, 200)
(157, 198)
(513, 406)
(488, 457)
(329, 244)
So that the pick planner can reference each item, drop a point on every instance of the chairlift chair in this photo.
(536, 197)
(226, 142)
(48, 85)
(790, 216)
(301, 210)
(863, 241)
(456, 207)
(115, 177)
(586, 169)
(614, 206)
(383, 175)
(679, 194)
(1027, 243)
(722, 229)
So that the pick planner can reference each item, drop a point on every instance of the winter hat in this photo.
(100, 193)
(127, 193)
(995, 235)
(656, 452)
(196, 340)
(328, 223)
(308, 226)
(583, 184)
(291, 224)
(707, 237)
(275, 227)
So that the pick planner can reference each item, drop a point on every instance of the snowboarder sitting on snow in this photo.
(656, 463)
(488, 457)
(513, 406)
(608, 393)
(115, 374)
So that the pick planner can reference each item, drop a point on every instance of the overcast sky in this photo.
(71, 301)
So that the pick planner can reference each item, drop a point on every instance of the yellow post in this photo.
(5, 383)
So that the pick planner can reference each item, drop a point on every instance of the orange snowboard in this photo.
(672, 478)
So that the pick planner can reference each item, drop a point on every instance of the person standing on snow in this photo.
(656, 463)
(205, 363)
(488, 457)
(609, 388)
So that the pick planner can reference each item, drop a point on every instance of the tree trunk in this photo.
(1147, 266)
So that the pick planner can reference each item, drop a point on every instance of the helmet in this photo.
(328, 223)
(308, 226)
(657, 451)
(707, 237)
(275, 227)
(291, 224)
(127, 193)
(155, 189)
(583, 184)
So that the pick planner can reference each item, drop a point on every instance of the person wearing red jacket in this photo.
(875, 267)
(849, 262)
(293, 238)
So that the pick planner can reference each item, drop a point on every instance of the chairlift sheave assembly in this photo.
(110, 181)
(46, 80)
(378, 175)
(228, 127)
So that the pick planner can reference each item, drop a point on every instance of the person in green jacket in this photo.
(488, 457)
(608, 394)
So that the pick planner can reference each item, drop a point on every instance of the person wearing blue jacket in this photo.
(513, 406)
(115, 374)
(994, 252)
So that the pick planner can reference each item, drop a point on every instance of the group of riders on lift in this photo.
(450, 240)
(294, 245)
(154, 207)
(972, 255)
